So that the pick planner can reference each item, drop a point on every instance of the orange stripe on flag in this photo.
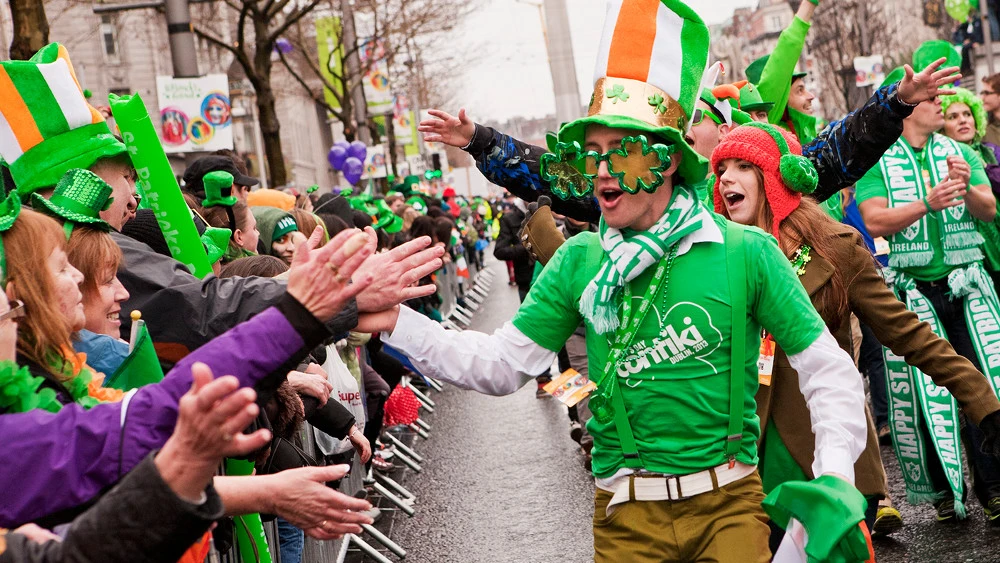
(632, 43)
(95, 116)
(17, 114)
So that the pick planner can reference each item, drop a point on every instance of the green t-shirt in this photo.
(872, 184)
(675, 378)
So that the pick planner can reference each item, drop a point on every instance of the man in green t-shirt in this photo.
(673, 299)
(922, 196)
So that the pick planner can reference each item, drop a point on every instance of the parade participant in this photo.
(775, 77)
(86, 451)
(923, 197)
(991, 103)
(965, 121)
(223, 210)
(683, 363)
(842, 153)
(837, 271)
(748, 99)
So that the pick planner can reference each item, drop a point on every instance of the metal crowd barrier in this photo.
(461, 299)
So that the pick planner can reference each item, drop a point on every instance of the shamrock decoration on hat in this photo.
(48, 127)
(79, 198)
(417, 202)
(218, 189)
(647, 79)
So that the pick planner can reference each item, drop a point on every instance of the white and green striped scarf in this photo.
(905, 182)
(632, 256)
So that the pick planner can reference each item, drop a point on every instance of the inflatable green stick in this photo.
(157, 183)
(250, 538)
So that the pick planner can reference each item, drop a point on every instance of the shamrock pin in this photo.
(563, 171)
(656, 101)
(617, 93)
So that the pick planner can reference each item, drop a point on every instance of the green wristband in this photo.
(927, 205)
(815, 2)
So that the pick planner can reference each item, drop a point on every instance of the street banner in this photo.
(328, 45)
(195, 113)
(869, 70)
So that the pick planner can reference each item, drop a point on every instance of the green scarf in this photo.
(989, 229)
(631, 257)
(909, 179)
(915, 401)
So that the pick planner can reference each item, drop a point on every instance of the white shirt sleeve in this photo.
(836, 400)
(494, 364)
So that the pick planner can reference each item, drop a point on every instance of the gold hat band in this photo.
(638, 100)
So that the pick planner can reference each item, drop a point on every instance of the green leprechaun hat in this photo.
(930, 51)
(756, 68)
(417, 202)
(894, 76)
(79, 198)
(216, 242)
(648, 75)
(218, 189)
(46, 125)
(386, 219)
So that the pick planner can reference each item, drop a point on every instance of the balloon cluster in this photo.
(959, 9)
(348, 158)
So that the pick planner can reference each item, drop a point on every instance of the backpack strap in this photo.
(736, 271)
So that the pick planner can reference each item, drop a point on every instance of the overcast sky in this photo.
(508, 73)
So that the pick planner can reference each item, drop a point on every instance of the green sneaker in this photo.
(992, 511)
(887, 521)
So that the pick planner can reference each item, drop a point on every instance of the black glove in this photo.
(991, 430)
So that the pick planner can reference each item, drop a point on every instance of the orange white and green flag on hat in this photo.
(46, 125)
(650, 63)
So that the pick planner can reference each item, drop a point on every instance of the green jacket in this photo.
(776, 83)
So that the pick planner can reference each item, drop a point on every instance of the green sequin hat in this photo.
(79, 197)
(648, 77)
(218, 189)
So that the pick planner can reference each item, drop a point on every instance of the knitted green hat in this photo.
(930, 51)
(975, 104)
(46, 125)
(79, 197)
(756, 68)
(218, 189)
(273, 223)
(648, 76)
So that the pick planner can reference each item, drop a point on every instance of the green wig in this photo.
(975, 104)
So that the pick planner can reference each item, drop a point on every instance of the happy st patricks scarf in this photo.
(630, 257)
(908, 179)
(915, 402)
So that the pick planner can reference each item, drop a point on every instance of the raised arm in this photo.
(776, 78)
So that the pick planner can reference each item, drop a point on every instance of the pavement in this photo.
(503, 482)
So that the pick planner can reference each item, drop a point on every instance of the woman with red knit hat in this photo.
(761, 178)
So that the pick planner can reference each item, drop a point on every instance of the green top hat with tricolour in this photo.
(79, 198)
(46, 125)
(650, 63)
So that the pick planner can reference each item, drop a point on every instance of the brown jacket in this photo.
(896, 328)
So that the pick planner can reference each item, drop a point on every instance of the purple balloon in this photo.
(344, 144)
(283, 45)
(358, 150)
(336, 157)
(353, 169)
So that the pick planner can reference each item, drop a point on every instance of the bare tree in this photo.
(31, 28)
(404, 27)
(249, 30)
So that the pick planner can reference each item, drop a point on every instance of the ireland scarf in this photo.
(910, 179)
(631, 257)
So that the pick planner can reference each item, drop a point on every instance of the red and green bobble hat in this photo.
(787, 174)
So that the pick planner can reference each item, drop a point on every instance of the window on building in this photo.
(109, 38)
(776, 24)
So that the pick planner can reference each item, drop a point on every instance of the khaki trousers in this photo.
(726, 525)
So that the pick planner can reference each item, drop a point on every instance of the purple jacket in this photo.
(52, 462)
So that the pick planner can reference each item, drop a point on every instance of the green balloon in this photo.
(959, 9)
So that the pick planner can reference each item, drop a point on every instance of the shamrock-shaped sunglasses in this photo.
(637, 165)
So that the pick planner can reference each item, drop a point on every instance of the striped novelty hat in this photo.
(650, 63)
(46, 125)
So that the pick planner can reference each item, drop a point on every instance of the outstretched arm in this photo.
(505, 161)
